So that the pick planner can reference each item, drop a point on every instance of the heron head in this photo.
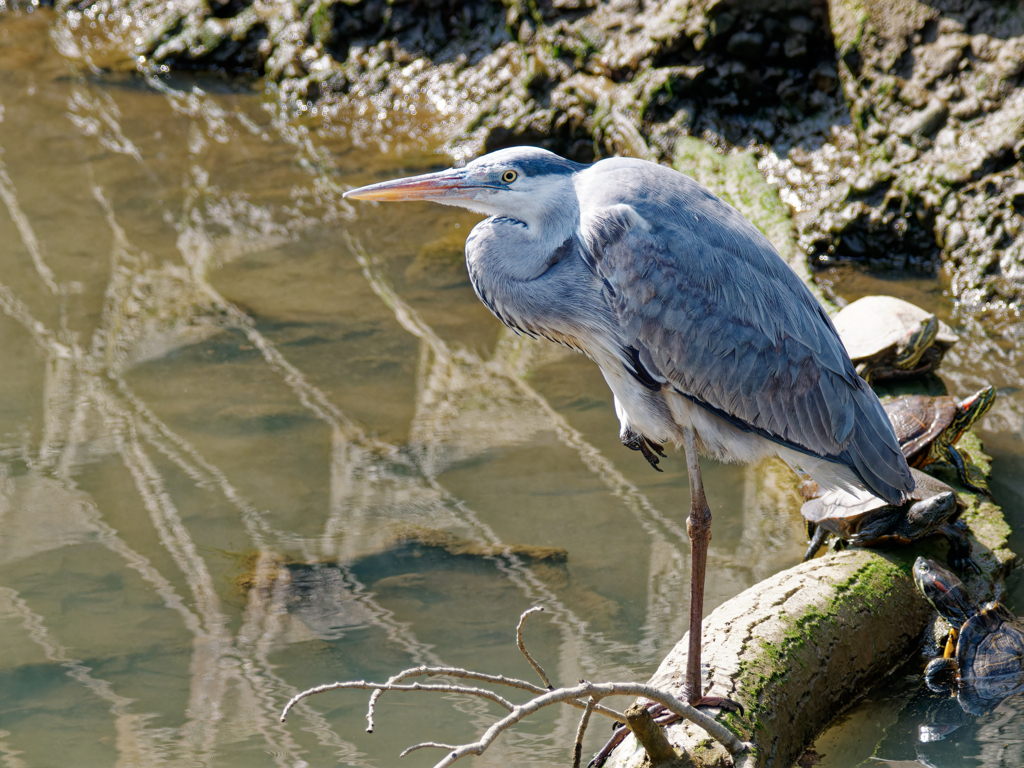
(524, 183)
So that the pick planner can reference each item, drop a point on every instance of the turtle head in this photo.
(970, 410)
(944, 591)
(941, 675)
(932, 512)
(910, 352)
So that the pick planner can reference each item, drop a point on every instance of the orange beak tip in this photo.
(428, 187)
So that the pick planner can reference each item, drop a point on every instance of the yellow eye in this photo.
(509, 176)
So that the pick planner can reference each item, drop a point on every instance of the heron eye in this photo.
(509, 176)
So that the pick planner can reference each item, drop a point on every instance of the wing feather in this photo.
(712, 309)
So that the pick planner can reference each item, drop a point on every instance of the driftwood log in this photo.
(800, 647)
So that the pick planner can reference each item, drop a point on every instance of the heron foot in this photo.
(650, 449)
(721, 702)
(662, 716)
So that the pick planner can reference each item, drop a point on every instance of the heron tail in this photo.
(873, 452)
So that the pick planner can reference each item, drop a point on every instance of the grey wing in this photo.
(712, 310)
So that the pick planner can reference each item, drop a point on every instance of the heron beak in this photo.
(430, 186)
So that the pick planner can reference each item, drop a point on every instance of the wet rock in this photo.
(935, 92)
(924, 122)
(746, 45)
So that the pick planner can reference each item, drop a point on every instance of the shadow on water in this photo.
(227, 397)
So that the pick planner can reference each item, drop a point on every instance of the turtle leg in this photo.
(960, 549)
(952, 455)
(817, 539)
(941, 675)
(884, 528)
(950, 650)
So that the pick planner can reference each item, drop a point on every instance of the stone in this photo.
(746, 45)
(924, 122)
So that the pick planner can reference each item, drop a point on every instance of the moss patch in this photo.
(865, 590)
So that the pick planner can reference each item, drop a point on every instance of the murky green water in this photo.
(239, 418)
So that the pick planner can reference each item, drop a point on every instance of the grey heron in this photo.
(704, 334)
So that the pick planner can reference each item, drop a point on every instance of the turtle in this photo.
(864, 520)
(928, 428)
(984, 658)
(890, 338)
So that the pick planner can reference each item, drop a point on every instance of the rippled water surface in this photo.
(253, 438)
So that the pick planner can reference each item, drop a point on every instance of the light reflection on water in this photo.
(229, 399)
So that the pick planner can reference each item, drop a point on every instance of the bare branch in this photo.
(482, 692)
(522, 646)
(426, 744)
(577, 750)
(467, 674)
(592, 693)
(599, 690)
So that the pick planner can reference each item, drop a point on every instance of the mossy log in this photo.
(800, 647)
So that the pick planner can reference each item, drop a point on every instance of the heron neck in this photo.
(532, 284)
(517, 250)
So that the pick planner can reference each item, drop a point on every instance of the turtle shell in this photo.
(844, 512)
(990, 655)
(918, 419)
(872, 327)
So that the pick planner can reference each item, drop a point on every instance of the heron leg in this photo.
(698, 528)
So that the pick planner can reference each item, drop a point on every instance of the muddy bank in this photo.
(893, 127)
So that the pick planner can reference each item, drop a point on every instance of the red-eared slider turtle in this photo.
(864, 520)
(986, 665)
(889, 338)
(928, 428)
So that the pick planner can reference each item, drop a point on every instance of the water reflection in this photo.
(227, 400)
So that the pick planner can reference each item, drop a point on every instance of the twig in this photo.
(426, 744)
(483, 692)
(467, 674)
(598, 691)
(577, 750)
(522, 646)
(592, 692)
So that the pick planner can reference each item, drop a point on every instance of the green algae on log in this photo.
(799, 648)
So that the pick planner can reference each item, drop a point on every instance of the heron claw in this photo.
(650, 449)
(721, 702)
